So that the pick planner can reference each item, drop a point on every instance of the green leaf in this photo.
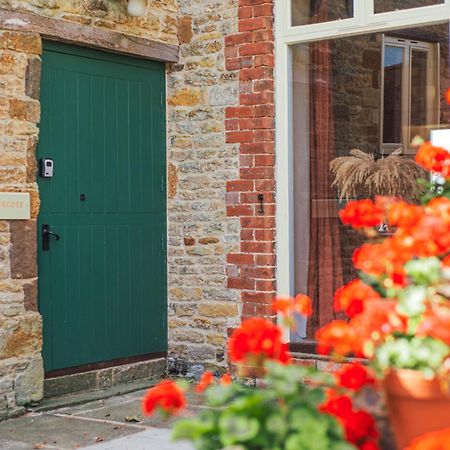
(424, 271)
(425, 354)
(343, 446)
(412, 301)
(277, 424)
(373, 282)
(304, 441)
(219, 395)
(235, 429)
(191, 429)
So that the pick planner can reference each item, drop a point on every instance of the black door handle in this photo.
(46, 233)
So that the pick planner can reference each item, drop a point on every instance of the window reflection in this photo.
(381, 6)
(392, 95)
(305, 12)
(352, 97)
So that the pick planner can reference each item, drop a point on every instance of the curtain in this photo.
(325, 262)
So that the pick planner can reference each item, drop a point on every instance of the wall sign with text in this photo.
(14, 205)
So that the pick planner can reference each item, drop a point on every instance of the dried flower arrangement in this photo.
(361, 175)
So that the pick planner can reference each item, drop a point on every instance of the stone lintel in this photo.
(75, 33)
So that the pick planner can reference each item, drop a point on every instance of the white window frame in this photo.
(364, 21)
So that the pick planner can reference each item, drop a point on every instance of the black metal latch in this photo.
(46, 234)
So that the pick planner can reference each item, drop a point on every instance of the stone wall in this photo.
(21, 372)
(159, 22)
(200, 87)
(221, 153)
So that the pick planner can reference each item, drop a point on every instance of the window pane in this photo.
(338, 101)
(419, 86)
(392, 103)
(305, 12)
(394, 5)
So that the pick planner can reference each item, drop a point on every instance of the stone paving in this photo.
(115, 423)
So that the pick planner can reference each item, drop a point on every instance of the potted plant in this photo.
(292, 408)
(399, 308)
(435, 440)
(361, 175)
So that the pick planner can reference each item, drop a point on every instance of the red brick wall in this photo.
(251, 125)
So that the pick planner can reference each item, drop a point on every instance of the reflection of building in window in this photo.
(304, 12)
(410, 100)
(339, 103)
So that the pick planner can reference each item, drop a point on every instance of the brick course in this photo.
(251, 125)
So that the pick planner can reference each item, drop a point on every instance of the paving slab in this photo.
(8, 444)
(152, 439)
(114, 423)
(131, 411)
(61, 432)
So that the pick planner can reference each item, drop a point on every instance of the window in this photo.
(363, 75)
(355, 100)
(410, 93)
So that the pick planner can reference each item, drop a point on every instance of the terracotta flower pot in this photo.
(415, 404)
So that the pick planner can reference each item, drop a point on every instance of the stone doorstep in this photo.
(103, 379)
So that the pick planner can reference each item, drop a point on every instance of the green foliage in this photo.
(436, 188)
(411, 352)
(424, 271)
(412, 301)
(281, 416)
(405, 350)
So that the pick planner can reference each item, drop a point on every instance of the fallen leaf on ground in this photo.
(132, 419)
(98, 439)
(39, 446)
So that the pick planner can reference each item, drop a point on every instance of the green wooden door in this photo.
(102, 285)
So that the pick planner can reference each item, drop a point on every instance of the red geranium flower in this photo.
(361, 213)
(359, 427)
(339, 337)
(434, 159)
(354, 377)
(436, 324)
(351, 297)
(303, 305)
(436, 440)
(377, 321)
(166, 395)
(405, 215)
(205, 380)
(286, 305)
(255, 340)
(446, 261)
(369, 445)
(282, 305)
(386, 258)
(337, 405)
(447, 96)
(225, 379)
